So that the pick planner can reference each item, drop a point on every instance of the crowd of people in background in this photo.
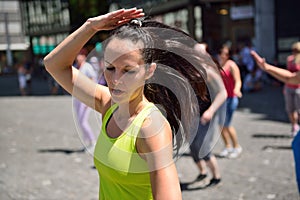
(252, 77)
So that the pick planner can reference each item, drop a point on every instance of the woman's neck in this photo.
(131, 109)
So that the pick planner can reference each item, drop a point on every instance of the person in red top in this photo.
(232, 81)
(291, 78)
(292, 91)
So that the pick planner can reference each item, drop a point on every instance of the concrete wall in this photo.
(264, 40)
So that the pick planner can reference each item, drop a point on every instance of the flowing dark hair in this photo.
(178, 86)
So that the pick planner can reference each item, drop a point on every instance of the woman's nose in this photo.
(117, 77)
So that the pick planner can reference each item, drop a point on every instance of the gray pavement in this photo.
(41, 153)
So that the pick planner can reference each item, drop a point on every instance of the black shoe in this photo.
(199, 183)
(201, 177)
(214, 182)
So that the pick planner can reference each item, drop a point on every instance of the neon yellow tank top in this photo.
(123, 173)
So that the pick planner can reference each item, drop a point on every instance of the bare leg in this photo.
(226, 137)
(202, 166)
(294, 122)
(214, 167)
(293, 118)
(233, 137)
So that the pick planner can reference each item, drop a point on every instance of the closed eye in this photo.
(110, 68)
(130, 71)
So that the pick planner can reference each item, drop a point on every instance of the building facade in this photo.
(271, 25)
(12, 36)
(46, 23)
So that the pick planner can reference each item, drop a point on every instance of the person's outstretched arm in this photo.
(217, 92)
(59, 61)
(281, 74)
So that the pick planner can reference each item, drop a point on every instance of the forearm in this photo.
(59, 64)
(65, 53)
(238, 85)
(216, 89)
(282, 74)
(218, 101)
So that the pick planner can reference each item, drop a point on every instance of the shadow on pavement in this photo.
(278, 147)
(275, 136)
(59, 150)
(184, 187)
(269, 101)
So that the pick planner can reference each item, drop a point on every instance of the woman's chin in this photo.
(118, 97)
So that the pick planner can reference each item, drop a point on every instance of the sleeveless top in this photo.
(292, 67)
(229, 82)
(123, 173)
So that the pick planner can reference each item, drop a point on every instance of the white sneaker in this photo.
(236, 152)
(226, 152)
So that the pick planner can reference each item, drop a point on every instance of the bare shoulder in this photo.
(154, 143)
(233, 66)
(155, 132)
(232, 63)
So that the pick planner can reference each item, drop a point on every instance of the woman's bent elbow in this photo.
(47, 63)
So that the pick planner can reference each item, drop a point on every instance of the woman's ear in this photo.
(150, 71)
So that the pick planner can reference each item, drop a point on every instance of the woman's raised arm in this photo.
(59, 62)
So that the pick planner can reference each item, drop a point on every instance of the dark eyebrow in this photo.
(107, 62)
(126, 66)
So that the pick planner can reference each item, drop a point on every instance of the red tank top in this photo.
(292, 67)
(228, 80)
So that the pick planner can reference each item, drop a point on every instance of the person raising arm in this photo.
(59, 62)
(142, 118)
(281, 74)
(287, 77)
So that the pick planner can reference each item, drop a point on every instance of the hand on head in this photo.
(114, 19)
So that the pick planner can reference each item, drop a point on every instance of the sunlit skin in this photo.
(279, 73)
(125, 75)
(229, 133)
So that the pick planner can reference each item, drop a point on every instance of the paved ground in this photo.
(41, 153)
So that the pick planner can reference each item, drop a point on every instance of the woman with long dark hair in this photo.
(149, 107)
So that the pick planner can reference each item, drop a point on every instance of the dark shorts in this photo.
(205, 139)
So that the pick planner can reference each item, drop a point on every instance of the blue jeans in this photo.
(226, 111)
(296, 150)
